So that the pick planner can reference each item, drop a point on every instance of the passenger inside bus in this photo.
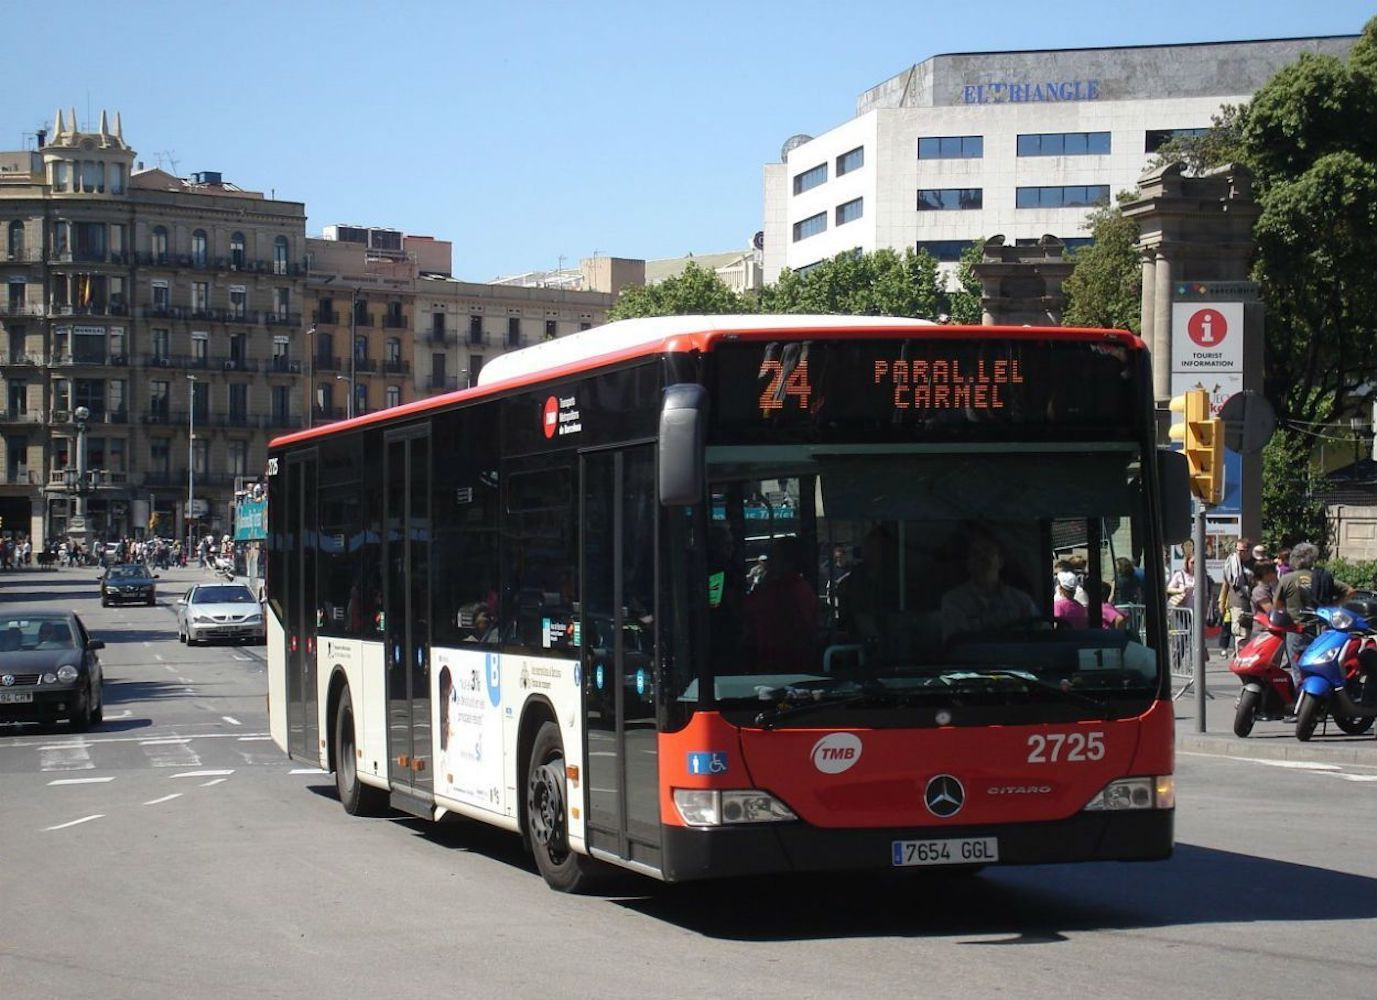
(782, 611)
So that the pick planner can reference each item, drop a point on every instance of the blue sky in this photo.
(530, 132)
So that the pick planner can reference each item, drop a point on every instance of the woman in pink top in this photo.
(1068, 609)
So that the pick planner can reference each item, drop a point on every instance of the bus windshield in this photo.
(915, 580)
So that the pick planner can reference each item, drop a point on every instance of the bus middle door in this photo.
(406, 621)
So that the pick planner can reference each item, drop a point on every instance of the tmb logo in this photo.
(550, 417)
(836, 752)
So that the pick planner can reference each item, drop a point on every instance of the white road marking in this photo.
(169, 667)
(146, 645)
(68, 757)
(81, 781)
(242, 659)
(1357, 777)
(252, 739)
(90, 741)
(185, 680)
(213, 781)
(307, 770)
(165, 798)
(109, 716)
(202, 774)
(75, 822)
(231, 720)
(158, 657)
(170, 753)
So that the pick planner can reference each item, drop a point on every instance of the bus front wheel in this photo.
(547, 817)
(357, 798)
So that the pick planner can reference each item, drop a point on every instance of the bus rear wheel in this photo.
(357, 798)
(547, 818)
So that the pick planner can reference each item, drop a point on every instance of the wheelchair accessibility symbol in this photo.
(708, 762)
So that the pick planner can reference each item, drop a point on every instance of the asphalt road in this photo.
(193, 859)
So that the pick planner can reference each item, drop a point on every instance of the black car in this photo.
(49, 669)
(128, 583)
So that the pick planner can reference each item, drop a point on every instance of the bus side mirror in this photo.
(682, 418)
(1174, 474)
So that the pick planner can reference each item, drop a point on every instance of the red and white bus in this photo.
(709, 596)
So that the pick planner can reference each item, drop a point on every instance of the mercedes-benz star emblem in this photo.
(944, 796)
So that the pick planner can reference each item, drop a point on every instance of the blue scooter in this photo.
(1339, 675)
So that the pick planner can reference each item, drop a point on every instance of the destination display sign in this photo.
(852, 389)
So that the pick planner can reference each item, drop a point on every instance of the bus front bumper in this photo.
(697, 853)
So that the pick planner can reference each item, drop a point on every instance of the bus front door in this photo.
(618, 634)
(406, 613)
(303, 725)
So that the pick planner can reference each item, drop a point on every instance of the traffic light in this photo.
(1202, 441)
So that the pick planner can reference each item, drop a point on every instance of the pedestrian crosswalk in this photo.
(74, 755)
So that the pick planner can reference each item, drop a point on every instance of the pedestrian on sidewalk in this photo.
(1236, 596)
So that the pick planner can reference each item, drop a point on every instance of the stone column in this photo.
(1149, 297)
(1161, 328)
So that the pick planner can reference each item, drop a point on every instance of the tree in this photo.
(1105, 289)
(882, 283)
(963, 302)
(1291, 512)
(694, 291)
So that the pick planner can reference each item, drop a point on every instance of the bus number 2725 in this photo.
(1069, 747)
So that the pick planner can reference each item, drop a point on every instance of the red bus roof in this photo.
(628, 339)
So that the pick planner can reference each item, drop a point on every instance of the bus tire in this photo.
(547, 817)
(357, 798)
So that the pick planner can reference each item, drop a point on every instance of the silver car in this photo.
(219, 611)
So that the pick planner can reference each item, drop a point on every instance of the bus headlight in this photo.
(1135, 793)
(712, 807)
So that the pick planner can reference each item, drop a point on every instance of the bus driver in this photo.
(984, 601)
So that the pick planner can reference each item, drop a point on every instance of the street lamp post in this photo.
(353, 350)
(190, 459)
(76, 526)
(349, 400)
(310, 376)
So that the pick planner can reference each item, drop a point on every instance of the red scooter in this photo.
(1262, 665)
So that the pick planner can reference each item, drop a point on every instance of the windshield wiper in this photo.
(1037, 683)
(876, 694)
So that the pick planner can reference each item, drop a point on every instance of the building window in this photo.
(949, 199)
(810, 226)
(849, 211)
(360, 398)
(943, 251)
(475, 366)
(162, 298)
(280, 255)
(1070, 242)
(200, 296)
(160, 457)
(238, 302)
(162, 344)
(117, 178)
(200, 348)
(1155, 138)
(238, 402)
(200, 456)
(475, 329)
(282, 299)
(237, 255)
(1064, 144)
(513, 331)
(1073, 196)
(550, 329)
(810, 179)
(199, 248)
(282, 405)
(849, 161)
(238, 458)
(16, 240)
(160, 244)
(951, 147)
(393, 347)
(281, 354)
(394, 395)
(60, 175)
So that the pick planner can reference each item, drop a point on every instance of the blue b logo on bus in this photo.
(708, 762)
(597, 676)
(494, 673)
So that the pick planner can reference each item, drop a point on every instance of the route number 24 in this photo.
(1069, 747)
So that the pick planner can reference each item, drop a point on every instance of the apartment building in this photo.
(154, 319)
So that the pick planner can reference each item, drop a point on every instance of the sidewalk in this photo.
(1271, 740)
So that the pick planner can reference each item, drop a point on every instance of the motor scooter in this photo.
(1339, 675)
(1262, 664)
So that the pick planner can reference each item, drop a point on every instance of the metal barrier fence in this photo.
(1180, 626)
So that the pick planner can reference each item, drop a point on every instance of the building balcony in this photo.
(65, 480)
(22, 417)
(99, 308)
(21, 255)
(328, 316)
(11, 308)
(20, 476)
(443, 383)
(477, 339)
(94, 360)
(119, 258)
(281, 318)
(395, 321)
(283, 421)
(326, 363)
(19, 360)
(282, 366)
(439, 338)
(235, 419)
(396, 367)
(327, 414)
(367, 366)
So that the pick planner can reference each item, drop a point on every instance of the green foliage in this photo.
(1360, 573)
(1291, 512)
(963, 303)
(695, 291)
(1105, 289)
(882, 283)
(1223, 143)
